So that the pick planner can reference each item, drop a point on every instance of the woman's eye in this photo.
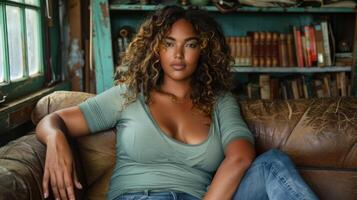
(191, 45)
(168, 44)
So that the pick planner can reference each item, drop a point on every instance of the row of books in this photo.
(297, 87)
(305, 46)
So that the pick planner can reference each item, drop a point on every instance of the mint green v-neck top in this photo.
(147, 159)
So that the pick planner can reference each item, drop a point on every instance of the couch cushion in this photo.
(317, 133)
(97, 153)
(332, 184)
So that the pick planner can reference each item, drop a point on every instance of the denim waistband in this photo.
(170, 195)
(154, 193)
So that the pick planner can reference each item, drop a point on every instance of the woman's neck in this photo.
(180, 90)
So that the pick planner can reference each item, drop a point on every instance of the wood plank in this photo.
(102, 46)
(17, 112)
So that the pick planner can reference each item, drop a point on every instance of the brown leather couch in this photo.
(320, 135)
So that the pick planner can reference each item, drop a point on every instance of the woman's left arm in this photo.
(239, 154)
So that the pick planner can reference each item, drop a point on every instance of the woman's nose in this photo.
(179, 53)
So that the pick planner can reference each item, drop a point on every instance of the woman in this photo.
(179, 131)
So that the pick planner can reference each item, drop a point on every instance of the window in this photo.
(21, 47)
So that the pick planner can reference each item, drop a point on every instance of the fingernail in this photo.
(45, 195)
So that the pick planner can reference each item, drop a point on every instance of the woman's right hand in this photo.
(59, 172)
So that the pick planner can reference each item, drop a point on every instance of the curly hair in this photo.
(212, 75)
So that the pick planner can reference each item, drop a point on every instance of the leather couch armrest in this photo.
(56, 101)
(96, 151)
(21, 169)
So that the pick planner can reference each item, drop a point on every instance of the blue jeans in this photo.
(147, 195)
(272, 175)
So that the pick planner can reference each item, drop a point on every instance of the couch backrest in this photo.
(315, 133)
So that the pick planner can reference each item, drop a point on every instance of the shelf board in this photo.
(301, 70)
(139, 7)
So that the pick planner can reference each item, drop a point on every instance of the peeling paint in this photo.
(105, 14)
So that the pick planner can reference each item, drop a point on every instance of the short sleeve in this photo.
(103, 111)
(230, 120)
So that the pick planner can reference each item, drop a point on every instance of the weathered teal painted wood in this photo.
(24, 39)
(102, 45)
(301, 70)
(136, 7)
(9, 107)
(22, 87)
(6, 49)
(354, 74)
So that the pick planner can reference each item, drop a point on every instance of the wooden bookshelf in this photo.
(299, 70)
(138, 7)
(237, 24)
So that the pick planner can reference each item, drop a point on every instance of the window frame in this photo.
(28, 84)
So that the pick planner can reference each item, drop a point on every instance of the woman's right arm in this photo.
(59, 170)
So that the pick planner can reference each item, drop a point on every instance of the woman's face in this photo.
(180, 51)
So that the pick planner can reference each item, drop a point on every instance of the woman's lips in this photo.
(178, 67)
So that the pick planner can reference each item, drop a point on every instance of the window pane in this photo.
(2, 48)
(15, 42)
(33, 41)
(33, 2)
(17, 0)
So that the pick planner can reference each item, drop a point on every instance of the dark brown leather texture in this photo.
(320, 135)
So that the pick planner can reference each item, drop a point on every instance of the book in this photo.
(291, 52)
(275, 50)
(264, 83)
(319, 45)
(283, 52)
(313, 45)
(262, 49)
(255, 49)
(268, 49)
(249, 51)
(307, 47)
(326, 43)
(298, 47)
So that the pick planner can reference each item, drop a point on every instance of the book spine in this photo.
(275, 50)
(313, 45)
(283, 55)
(298, 47)
(238, 45)
(268, 49)
(264, 83)
(255, 49)
(319, 46)
(262, 46)
(326, 43)
(290, 48)
(249, 50)
(307, 47)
